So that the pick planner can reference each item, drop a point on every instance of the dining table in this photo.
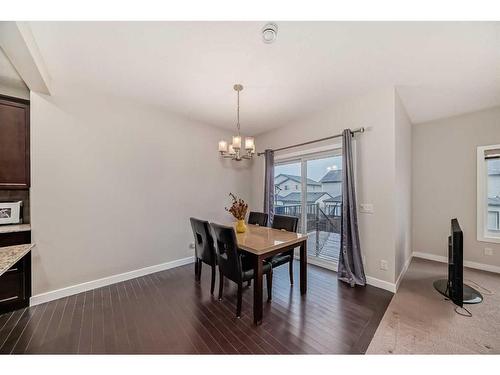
(263, 243)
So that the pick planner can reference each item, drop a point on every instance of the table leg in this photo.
(303, 267)
(257, 291)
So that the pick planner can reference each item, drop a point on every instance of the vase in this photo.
(241, 226)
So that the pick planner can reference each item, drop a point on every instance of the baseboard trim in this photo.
(369, 280)
(403, 271)
(467, 263)
(94, 284)
(391, 287)
(428, 256)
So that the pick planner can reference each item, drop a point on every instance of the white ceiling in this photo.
(440, 69)
(8, 75)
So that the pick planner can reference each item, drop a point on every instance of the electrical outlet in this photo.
(488, 251)
(191, 245)
(366, 208)
(384, 265)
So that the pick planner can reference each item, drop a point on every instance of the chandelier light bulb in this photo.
(222, 146)
(236, 142)
(249, 143)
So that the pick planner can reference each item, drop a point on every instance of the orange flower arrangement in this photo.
(238, 207)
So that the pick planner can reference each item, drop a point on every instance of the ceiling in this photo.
(439, 68)
(8, 75)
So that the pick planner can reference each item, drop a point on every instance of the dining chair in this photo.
(204, 249)
(288, 223)
(232, 266)
(258, 218)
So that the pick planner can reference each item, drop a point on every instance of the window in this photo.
(493, 217)
(488, 193)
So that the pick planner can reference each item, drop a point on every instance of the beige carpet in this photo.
(419, 320)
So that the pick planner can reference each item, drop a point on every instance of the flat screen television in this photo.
(454, 287)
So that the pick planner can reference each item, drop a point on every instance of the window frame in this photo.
(497, 218)
(302, 157)
(483, 234)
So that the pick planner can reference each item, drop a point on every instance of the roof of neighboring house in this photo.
(311, 197)
(296, 179)
(495, 201)
(336, 199)
(335, 175)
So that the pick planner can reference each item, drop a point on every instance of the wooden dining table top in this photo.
(261, 240)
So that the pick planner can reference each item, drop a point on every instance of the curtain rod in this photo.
(358, 130)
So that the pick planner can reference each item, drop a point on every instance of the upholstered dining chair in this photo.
(260, 219)
(257, 218)
(233, 266)
(288, 223)
(204, 249)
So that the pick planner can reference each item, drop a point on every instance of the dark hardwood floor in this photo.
(168, 312)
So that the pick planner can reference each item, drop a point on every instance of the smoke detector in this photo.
(269, 33)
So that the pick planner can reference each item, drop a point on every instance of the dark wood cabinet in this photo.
(14, 143)
(15, 283)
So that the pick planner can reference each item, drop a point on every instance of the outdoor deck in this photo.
(329, 245)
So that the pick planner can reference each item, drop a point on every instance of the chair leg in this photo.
(249, 283)
(290, 269)
(212, 284)
(269, 282)
(240, 297)
(221, 285)
(199, 269)
(196, 265)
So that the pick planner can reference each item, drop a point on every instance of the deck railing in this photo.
(317, 221)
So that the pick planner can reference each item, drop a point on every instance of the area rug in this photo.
(421, 321)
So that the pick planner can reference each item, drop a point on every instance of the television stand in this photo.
(471, 295)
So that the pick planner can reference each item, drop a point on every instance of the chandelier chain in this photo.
(238, 113)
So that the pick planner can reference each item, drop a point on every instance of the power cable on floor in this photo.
(467, 313)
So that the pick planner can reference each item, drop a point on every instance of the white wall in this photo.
(114, 184)
(403, 139)
(444, 182)
(14, 91)
(375, 161)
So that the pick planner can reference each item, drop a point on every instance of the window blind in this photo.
(492, 154)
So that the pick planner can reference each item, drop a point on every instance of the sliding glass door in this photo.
(288, 190)
(320, 177)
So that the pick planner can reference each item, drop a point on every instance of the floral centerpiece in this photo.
(239, 210)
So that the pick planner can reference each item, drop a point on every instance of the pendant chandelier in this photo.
(234, 151)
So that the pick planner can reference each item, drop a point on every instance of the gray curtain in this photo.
(350, 261)
(269, 185)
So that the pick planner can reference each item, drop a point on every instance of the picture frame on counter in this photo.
(10, 212)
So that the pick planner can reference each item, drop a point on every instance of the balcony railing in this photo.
(323, 225)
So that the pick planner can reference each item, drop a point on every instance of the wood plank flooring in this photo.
(168, 312)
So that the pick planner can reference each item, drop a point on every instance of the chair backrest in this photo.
(257, 218)
(288, 223)
(203, 241)
(226, 247)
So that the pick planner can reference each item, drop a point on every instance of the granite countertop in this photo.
(11, 228)
(9, 255)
